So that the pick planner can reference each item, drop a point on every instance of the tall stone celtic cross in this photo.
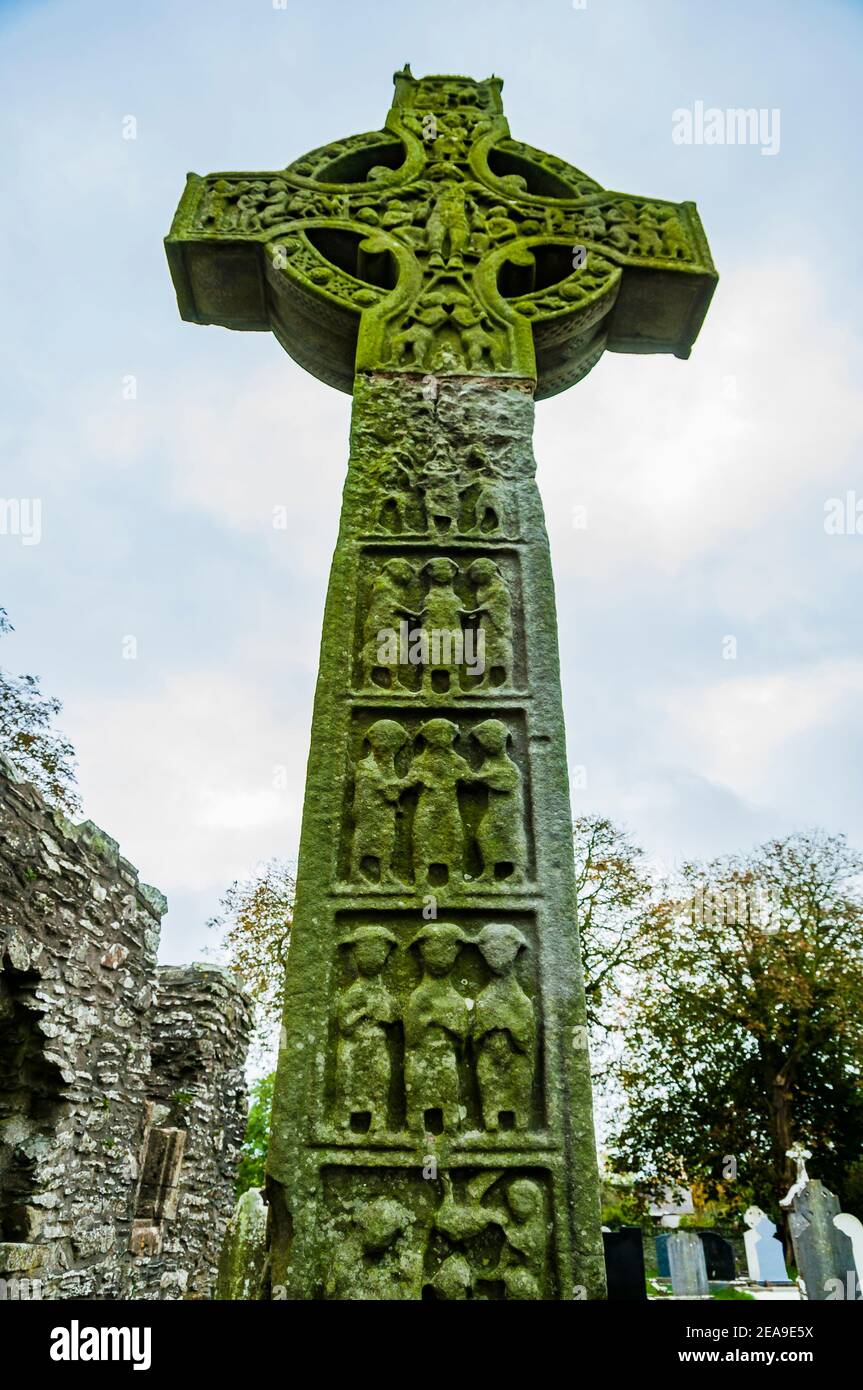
(432, 1132)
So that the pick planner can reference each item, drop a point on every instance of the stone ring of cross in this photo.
(441, 245)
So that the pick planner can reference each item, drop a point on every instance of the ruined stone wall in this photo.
(101, 1057)
(200, 1031)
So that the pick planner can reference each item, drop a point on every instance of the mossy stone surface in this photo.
(244, 1250)
(432, 1131)
(441, 244)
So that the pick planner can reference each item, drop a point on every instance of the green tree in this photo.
(41, 754)
(253, 1155)
(745, 1031)
(254, 919)
(615, 897)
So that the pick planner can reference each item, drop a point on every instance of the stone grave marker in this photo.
(687, 1264)
(624, 1264)
(852, 1227)
(663, 1268)
(765, 1257)
(823, 1251)
(432, 1133)
(243, 1254)
(718, 1255)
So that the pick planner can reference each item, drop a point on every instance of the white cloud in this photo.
(676, 462)
(744, 731)
(186, 776)
(269, 439)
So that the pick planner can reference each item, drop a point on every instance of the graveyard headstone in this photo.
(688, 1265)
(824, 1253)
(852, 1227)
(241, 1263)
(718, 1255)
(624, 1264)
(765, 1257)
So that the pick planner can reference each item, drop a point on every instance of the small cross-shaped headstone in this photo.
(799, 1154)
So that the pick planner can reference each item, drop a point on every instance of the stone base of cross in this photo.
(432, 1133)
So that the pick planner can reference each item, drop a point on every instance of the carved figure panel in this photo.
(437, 802)
(424, 487)
(471, 1233)
(438, 625)
(435, 1029)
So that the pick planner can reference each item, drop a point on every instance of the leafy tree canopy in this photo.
(41, 754)
(744, 1032)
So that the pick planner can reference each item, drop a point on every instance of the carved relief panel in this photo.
(435, 1028)
(440, 492)
(438, 625)
(437, 802)
(474, 1233)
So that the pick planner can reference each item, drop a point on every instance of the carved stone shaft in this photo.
(432, 1132)
(322, 1170)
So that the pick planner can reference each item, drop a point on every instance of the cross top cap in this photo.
(798, 1152)
(439, 245)
(446, 92)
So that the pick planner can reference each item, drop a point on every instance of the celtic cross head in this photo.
(440, 245)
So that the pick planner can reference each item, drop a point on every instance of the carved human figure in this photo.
(674, 239)
(244, 213)
(649, 240)
(479, 346)
(438, 835)
(364, 1012)
(436, 1023)
(448, 227)
(522, 1263)
(503, 1030)
(212, 212)
(418, 338)
(377, 788)
(275, 207)
(391, 496)
(439, 487)
(491, 508)
(398, 213)
(441, 614)
(377, 1257)
(386, 610)
(460, 1221)
(622, 223)
(591, 225)
(499, 225)
(494, 609)
(500, 835)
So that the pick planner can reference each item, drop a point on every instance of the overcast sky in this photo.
(704, 482)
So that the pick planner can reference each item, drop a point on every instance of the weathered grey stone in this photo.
(687, 1264)
(93, 1072)
(241, 1263)
(824, 1254)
